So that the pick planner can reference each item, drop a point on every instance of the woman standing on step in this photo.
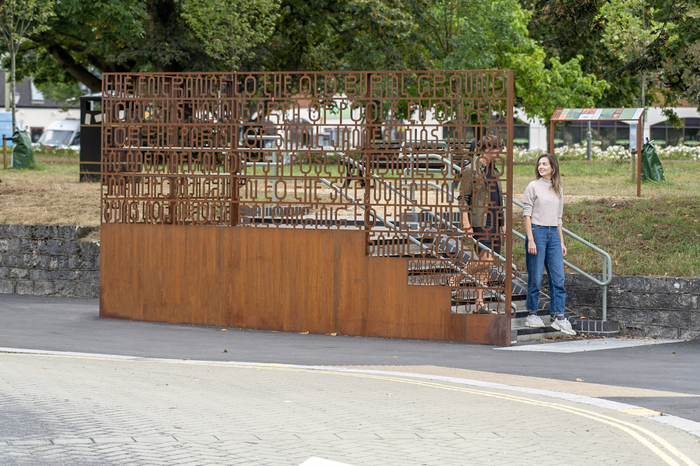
(543, 206)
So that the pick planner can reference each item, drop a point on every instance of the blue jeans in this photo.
(549, 257)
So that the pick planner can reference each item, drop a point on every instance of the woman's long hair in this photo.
(556, 175)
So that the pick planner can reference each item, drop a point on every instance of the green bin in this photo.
(651, 165)
(22, 153)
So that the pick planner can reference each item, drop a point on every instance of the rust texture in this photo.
(400, 156)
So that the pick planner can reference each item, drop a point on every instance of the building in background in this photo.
(611, 133)
(34, 112)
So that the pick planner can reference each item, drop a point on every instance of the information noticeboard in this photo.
(603, 114)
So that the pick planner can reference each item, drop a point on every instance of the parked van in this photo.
(62, 134)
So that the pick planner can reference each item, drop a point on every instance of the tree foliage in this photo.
(619, 40)
(17, 20)
(563, 52)
(493, 34)
(230, 30)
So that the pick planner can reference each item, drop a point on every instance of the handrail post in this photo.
(605, 302)
(4, 152)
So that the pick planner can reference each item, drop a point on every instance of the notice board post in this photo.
(603, 114)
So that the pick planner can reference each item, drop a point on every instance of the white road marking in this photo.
(580, 346)
(314, 461)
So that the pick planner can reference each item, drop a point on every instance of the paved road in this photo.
(145, 393)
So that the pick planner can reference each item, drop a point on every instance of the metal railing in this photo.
(607, 261)
(606, 269)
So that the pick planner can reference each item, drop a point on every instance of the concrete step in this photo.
(601, 328)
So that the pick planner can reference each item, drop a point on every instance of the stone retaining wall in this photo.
(663, 307)
(56, 261)
(49, 260)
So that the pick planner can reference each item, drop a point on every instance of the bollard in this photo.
(4, 152)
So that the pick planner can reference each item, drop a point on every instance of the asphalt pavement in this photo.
(97, 389)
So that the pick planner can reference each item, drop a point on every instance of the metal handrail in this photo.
(607, 264)
(359, 166)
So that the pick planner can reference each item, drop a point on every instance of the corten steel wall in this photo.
(221, 205)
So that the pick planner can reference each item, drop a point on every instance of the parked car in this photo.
(61, 134)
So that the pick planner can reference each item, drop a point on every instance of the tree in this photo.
(623, 40)
(629, 29)
(341, 35)
(230, 30)
(568, 29)
(493, 34)
(87, 38)
(17, 20)
(195, 35)
(675, 55)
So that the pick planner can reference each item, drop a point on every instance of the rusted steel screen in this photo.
(397, 155)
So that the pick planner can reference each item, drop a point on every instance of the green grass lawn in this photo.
(657, 234)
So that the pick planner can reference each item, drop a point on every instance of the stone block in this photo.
(677, 285)
(690, 334)
(621, 299)
(43, 288)
(28, 246)
(82, 232)
(70, 248)
(90, 276)
(574, 280)
(6, 287)
(11, 260)
(5, 231)
(695, 321)
(676, 319)
(20, 231)
(88, 262)
(42, 231)
(67, 232)
(87, 290)
(4, 272)
(64, 288)
(74, 261)
(38, 274)
(632, 331)
(42, 261)
(621, 315)
(17, 273)
(58, 263)
(50, 246)
(695, 286)
(658, 284)
(587, 312)
(31, 260)
(24, 287)
(661, 332)
(634, 284)
(584, 297)
(62, 274)
(89, 248)
(682, 302)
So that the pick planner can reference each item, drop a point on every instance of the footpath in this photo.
(76, 389)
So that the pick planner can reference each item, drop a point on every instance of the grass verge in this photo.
(658, 234)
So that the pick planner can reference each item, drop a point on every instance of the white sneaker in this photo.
(533, 320)
(563, 325)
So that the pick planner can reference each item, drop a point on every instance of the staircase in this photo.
(385, 241)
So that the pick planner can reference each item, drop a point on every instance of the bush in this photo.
(612, 153)
(679, 153)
